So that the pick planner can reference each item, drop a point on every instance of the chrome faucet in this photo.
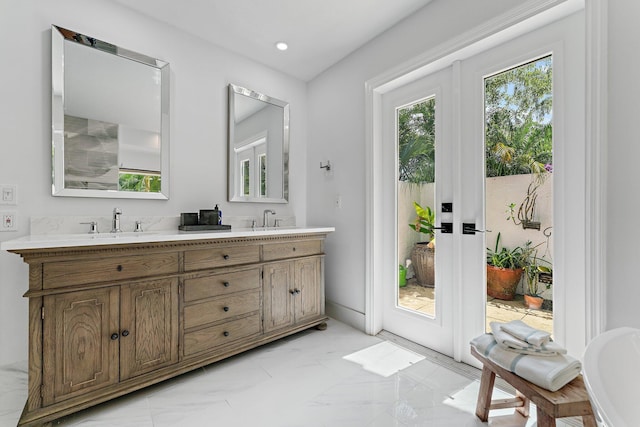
(265, 220)
(115, 223)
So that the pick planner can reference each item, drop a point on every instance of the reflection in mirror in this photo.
(258, 147)
(110, 113)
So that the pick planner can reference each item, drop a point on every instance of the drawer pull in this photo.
(226, 284)
(225, 333)
(114, 336)
(226, 308)
(125, 333)
(225, 256)
(294, 249)
(119, 268)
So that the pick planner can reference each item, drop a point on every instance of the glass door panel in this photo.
(519, 182)
(416, 139)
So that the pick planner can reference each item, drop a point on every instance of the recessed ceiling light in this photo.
(282, 46)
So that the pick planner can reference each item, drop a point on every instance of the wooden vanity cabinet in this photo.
(98, 337)
(293, 292)
(106, 320)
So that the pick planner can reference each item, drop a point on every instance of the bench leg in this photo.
(589, 421)
(524, 409)
(484, 395)
(544, 420)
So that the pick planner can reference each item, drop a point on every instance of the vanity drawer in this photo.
(214, 336)
(221, 308)
(221, 284)
(77, 272)
(221, 257)
(291, 249)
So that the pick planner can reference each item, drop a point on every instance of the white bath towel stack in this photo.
(543, 346)
(545, 363)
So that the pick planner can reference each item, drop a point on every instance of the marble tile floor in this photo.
(333, 378)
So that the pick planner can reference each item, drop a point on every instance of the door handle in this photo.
(470, 228)
(445, 227)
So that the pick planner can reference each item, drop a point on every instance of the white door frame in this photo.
(495, 32)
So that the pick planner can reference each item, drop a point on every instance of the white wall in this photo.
(337, 133)
(623, 186)
(200, 74)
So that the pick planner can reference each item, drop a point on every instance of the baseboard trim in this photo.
(346, 315)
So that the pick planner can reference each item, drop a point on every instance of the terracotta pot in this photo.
(533, 302)
(422, 259)
(502, 282)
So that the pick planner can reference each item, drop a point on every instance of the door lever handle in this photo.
(470, 228)
(445, 227)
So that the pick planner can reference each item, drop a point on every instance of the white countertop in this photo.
(44, 241)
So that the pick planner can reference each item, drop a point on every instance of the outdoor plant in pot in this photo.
(504, 269)
(423, 253)
(532, 270)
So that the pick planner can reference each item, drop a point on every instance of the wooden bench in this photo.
(570, 401)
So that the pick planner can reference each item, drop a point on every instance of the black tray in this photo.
(204, 227)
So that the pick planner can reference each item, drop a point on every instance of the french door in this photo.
(429, 321)
(458, 313)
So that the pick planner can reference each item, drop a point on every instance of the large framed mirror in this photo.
(258, 161)
(110, 120)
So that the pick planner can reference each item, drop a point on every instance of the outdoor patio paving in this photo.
(419, 298)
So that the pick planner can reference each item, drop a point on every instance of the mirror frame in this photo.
(231, 164)
(59, 36)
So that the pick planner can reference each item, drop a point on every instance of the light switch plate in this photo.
(8, 194)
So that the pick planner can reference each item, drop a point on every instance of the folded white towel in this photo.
(551, 373)
(521, 330)
(509, 342)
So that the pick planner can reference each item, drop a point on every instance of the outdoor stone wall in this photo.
(500, 192)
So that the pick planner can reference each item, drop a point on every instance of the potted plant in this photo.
(532, 272)
(504, 269)
(423, 253)
(527, 208)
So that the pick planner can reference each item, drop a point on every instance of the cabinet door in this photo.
(307, 280)
(80, 342)
(278, 295)
(149, 326)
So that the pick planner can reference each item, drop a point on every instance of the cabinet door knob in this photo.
(114, 336)
(225, 256)
(225, 333)
(292, 291)
(226, 284)
(125, 333)
(297, 291)
(226, 308)
(119, 268)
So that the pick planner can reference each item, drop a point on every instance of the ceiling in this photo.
(319, 32)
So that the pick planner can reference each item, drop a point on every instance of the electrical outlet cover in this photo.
(9, 221)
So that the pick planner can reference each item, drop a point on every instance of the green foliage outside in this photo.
(139, 183)
(518, 107)
(416, 140)
(518, 133)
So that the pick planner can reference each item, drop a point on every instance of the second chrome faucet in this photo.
(265, 217)
(115, 223)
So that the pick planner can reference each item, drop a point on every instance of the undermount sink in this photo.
(121, 234)
(612, 377)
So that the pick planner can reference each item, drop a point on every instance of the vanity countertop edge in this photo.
(46, 241)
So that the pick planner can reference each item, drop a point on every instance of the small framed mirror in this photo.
(110, 120)
(258, 161)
